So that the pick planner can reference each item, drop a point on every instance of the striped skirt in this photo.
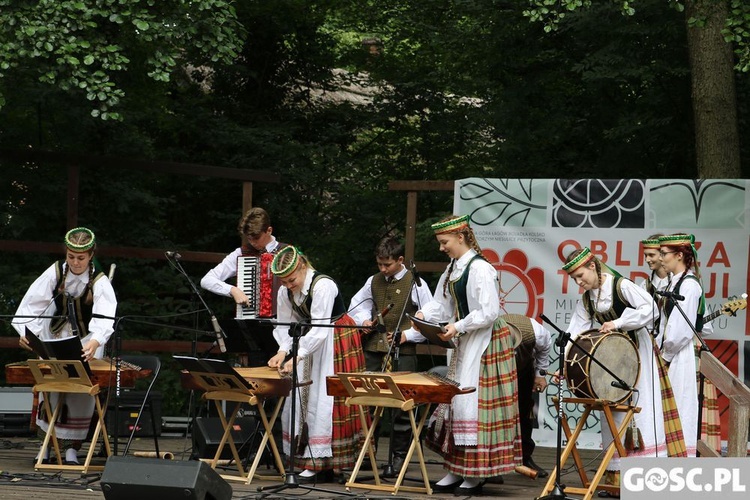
(498, 449)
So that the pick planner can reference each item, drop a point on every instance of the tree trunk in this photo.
(717, 146)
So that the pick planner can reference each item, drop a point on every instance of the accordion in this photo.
(248, 280)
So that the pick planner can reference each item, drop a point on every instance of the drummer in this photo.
(632, 310)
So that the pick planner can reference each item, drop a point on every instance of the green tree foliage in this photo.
(736, 30)
(83, 46)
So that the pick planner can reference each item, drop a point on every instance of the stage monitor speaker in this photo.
(128, 478)
(207, 434)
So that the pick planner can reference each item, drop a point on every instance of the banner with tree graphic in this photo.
(528, 226)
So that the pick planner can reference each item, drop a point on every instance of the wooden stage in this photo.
(18, 480)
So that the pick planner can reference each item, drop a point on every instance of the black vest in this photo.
(458, 291)
(669, 305)
(303, 310)
(83, 311)
(619, 304)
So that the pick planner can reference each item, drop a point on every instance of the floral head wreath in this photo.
(289, 268)
(80, 247)
(453, 225)
(650, 243)
(679, 240)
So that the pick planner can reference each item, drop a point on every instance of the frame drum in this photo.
(586, 379)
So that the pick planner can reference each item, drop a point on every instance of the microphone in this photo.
(415, 274)
(623, 386)
(379, 320)
(675, 296)
(219, 334)
(173, 255)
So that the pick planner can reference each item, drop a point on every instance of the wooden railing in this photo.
(739, 406)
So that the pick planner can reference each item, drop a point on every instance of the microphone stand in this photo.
(558, 492)
(220, 335)
(701, 378)
(291, 479)
(393, 354)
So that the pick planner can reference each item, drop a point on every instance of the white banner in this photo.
(528, 226)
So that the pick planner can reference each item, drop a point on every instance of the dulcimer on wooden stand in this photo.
(103, 373)
(263, 381)
(420, 387)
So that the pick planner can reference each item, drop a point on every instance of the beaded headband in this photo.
(650, 243)
(80, 247)
(453, 225)
(675, 240)
(581, 259)
(289, 269)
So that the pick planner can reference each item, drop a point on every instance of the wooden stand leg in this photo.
(367, 448)
(607, 408)
(267, 439)
(227, 438)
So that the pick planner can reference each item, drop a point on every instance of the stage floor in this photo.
(18, 480)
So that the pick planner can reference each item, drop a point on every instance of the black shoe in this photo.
(323, 476)
(474, 490)
(540, 473)
(446, 488)
(398, 462)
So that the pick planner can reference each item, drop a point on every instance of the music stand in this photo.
(222, 383)
(247, 335)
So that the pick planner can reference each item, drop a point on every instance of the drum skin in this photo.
(586, 379)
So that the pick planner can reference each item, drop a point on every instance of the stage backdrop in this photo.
(527, 227)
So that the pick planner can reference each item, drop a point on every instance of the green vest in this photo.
(398, 293)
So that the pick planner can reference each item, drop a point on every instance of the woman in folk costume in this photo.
(659, 278)
(92, 293)
(658, 282)
(618, 304)
(327, 433)
(679, 256)
(478, 434)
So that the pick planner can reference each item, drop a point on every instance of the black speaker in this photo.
(207, 432)
(128, 478)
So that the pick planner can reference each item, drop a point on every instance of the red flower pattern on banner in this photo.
(521, 286)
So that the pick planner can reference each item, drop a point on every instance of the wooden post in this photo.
(739, 415)
(247, 196)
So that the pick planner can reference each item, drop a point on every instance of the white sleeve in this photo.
(482, 290)
(440, 308)
(679, 334)
(105, 304)
(361, 305)
(215, 280)
(38, 301)
(643, 312)
(324, 295)
(284, 315)
(542, 346)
